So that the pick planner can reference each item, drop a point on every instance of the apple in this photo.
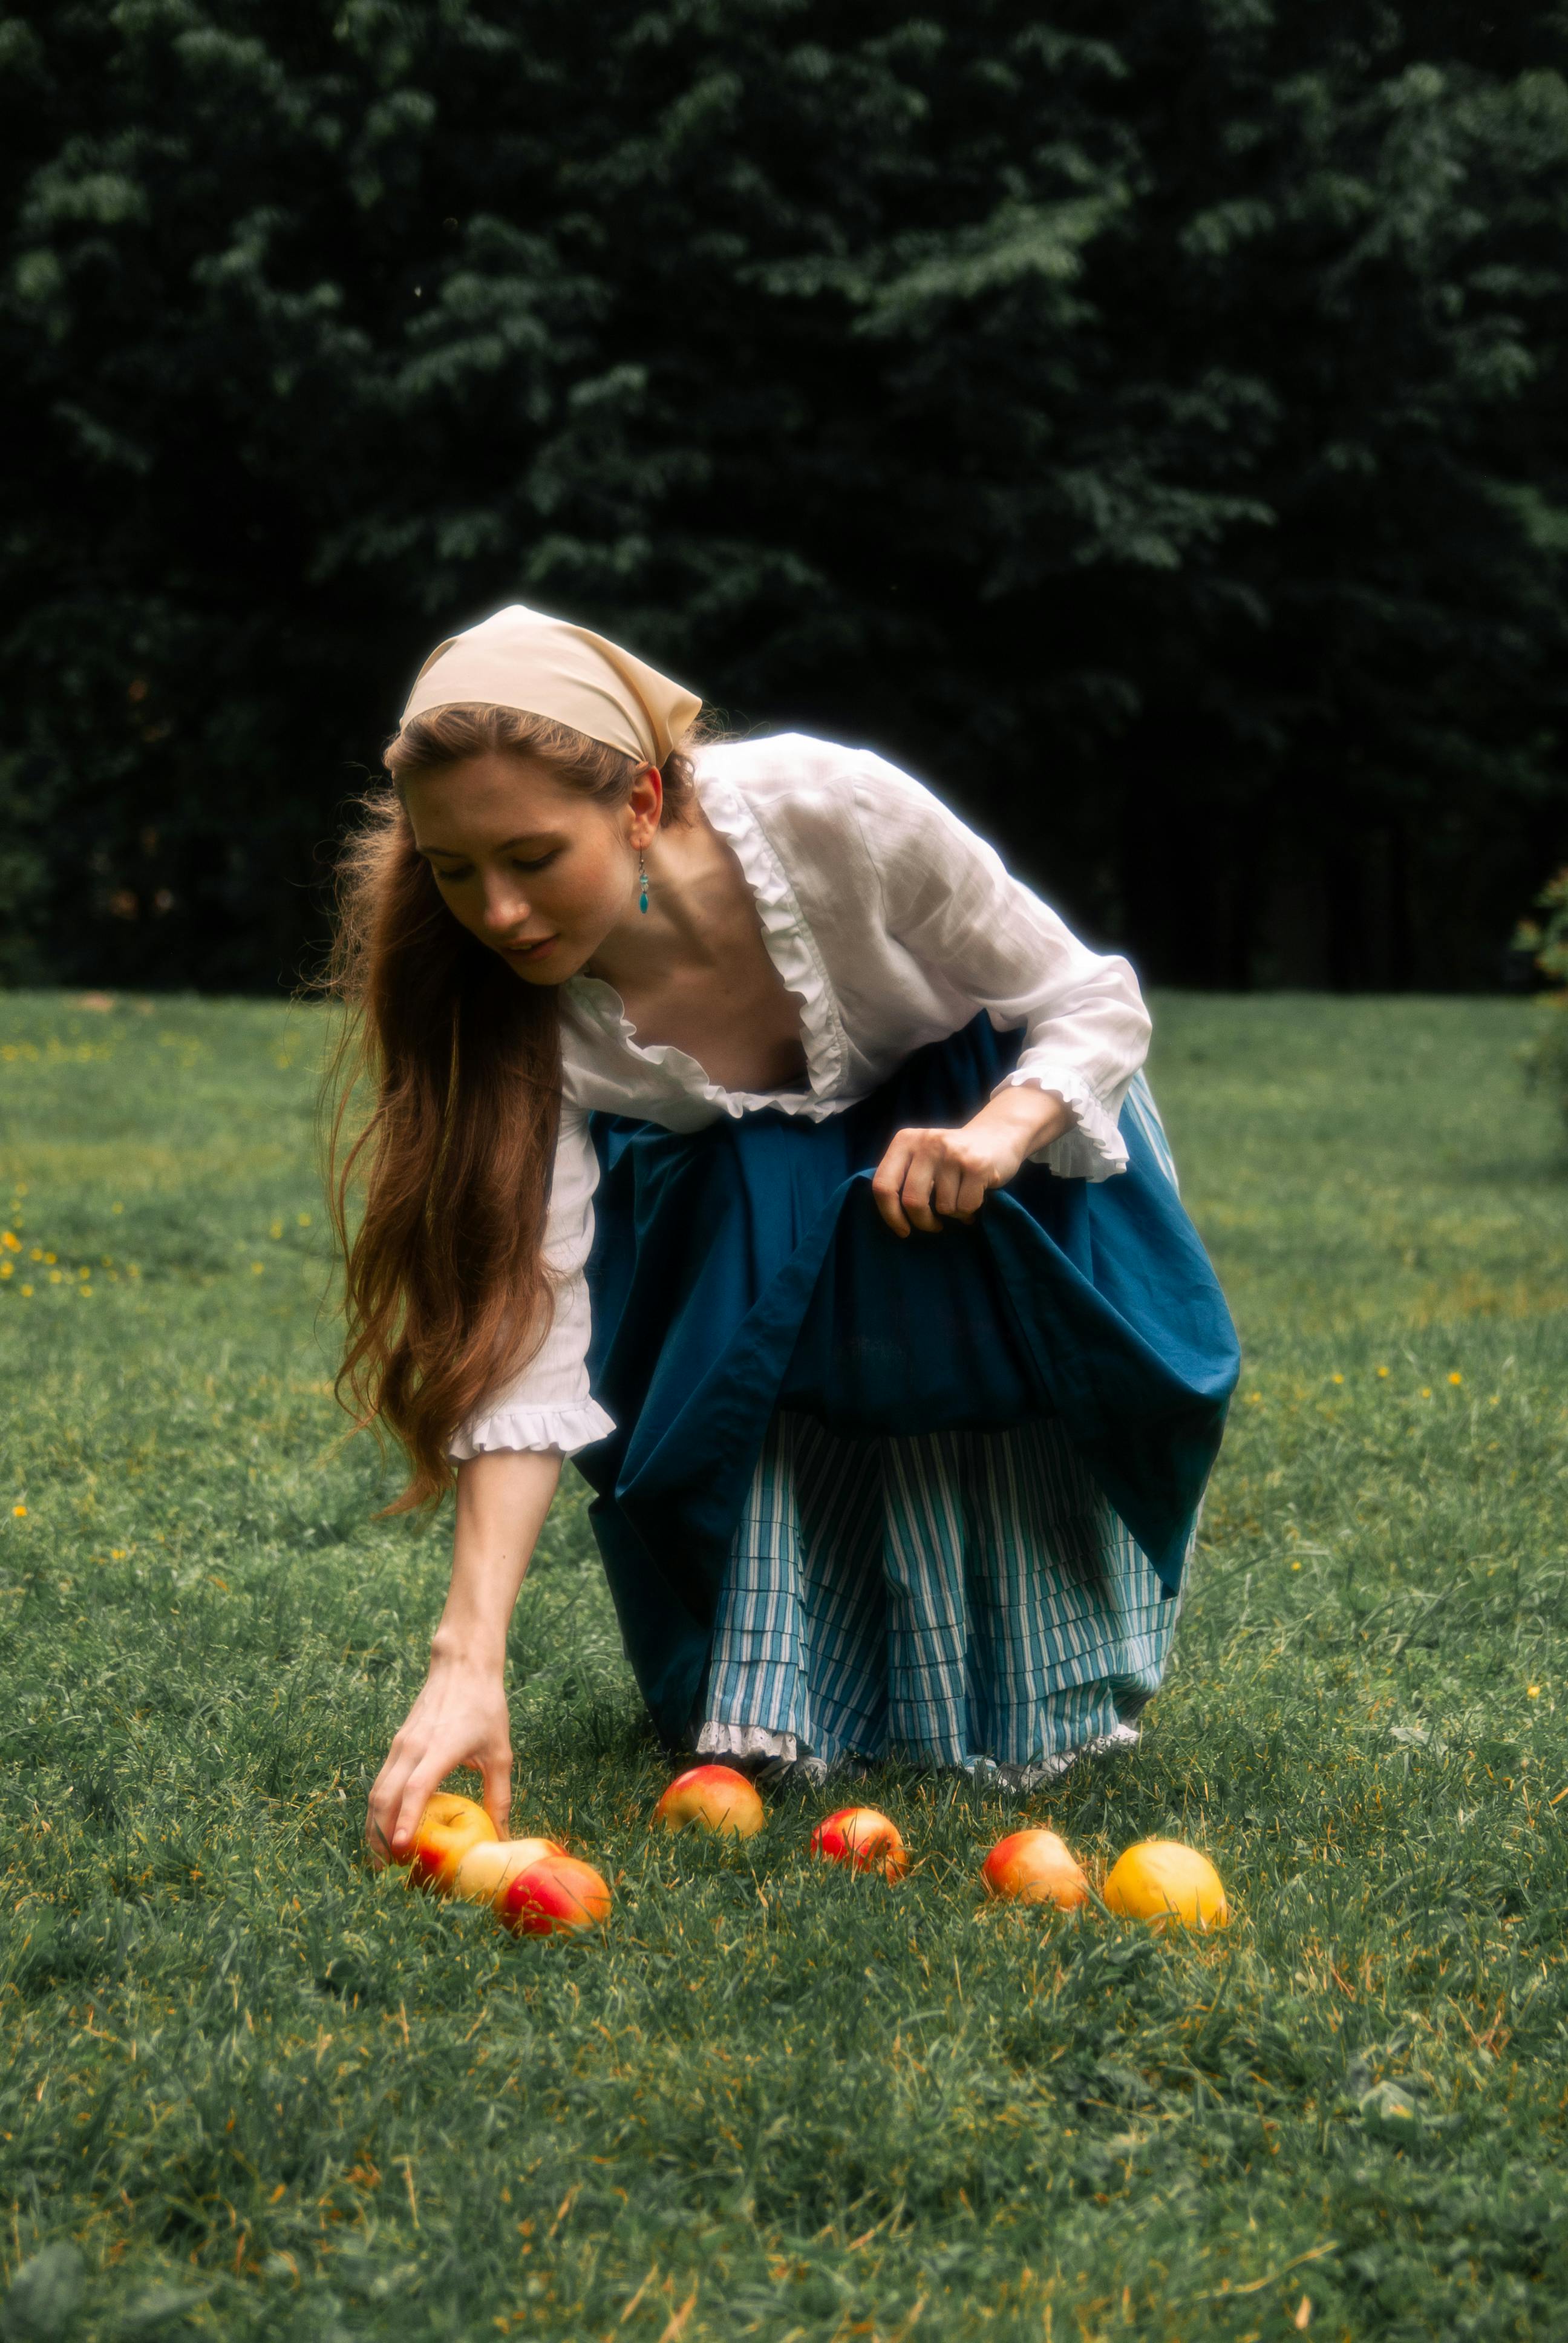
(490, 1865)
(445, 1832)
(713, 1798)
(863, 1837)
(1034, 1867)
(1162, 1880)
(556, 1892)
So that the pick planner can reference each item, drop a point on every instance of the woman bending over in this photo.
(744, 1131)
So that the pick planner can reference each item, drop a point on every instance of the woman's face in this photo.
(536, 871)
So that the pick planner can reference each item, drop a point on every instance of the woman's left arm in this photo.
(948, 900)
(928, 1171)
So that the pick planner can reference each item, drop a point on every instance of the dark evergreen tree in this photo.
(1146, 424)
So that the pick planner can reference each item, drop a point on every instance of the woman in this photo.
(683, 1055)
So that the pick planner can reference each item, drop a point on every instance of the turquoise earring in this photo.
(642, 882)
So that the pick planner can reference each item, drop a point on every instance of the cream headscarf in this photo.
(546, 667)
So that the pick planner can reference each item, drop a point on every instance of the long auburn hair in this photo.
(446, 1290)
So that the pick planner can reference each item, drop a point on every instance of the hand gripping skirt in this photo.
(928, 1498)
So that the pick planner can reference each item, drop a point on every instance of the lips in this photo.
(530, 950)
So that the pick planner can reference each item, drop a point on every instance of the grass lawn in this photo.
(266, 2093)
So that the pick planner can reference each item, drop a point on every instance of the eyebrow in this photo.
(527, 838)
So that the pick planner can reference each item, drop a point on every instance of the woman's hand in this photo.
(460, 1716)
(948, 1173)
(459, 1719)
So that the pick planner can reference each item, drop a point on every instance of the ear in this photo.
(645, 804)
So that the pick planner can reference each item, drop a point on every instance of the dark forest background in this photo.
(1144, 422)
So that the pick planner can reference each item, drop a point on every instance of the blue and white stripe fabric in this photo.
(951, 1598)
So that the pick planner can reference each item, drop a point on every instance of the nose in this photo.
(506, 907)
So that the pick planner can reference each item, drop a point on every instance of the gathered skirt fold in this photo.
(915, 1418)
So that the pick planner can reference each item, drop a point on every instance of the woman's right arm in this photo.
(460, 1716)
(508, 1458)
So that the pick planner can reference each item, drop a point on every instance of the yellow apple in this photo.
(445, 1832)
(712, 1799)
(1162, 1880)
(490, 1865)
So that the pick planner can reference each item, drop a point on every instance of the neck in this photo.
(688, 887)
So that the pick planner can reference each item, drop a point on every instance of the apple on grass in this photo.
(1035, 1867)
(1161, 1880)
(712, 1798)
(443, 1835)
(558, 1892)
(490, 1865)
(864, 1838)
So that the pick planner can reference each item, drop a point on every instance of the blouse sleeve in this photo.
(548, 1404)
(950, 901)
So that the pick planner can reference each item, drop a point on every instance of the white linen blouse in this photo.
(893, 925)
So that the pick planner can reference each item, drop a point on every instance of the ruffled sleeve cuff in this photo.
(569, 1428)
(1093, 1149)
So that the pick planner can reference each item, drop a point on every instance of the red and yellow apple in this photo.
(864, 1838)
(1034, 1867)
(490, 1865)
(558, 1892)
(445, 1832)
(1162, 1880)
(712, 1798)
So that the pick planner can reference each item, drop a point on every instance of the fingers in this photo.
(385, 1798)
(889, 1180)
(924, 1179)
(959, 1191)
(497, 1772)
(916, 1192)
(419, 1789)
(902, 1185)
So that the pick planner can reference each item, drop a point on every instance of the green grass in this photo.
(267, 2092)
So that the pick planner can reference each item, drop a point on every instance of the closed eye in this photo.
(456, 873)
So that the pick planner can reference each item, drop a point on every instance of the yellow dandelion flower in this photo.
(302, 1219)
(7, 1268)
(1456, 1377)
(26, 1294)
(55, 1276)
(1532, 1692)
(19, 1512)
(86, 1292)
(255, 1269)
(1382, 1374)
(1426, 1391)
(1336, 1379)
(116, 1553)
(11, 1244)
(48, 1258)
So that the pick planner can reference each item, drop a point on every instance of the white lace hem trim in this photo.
(747, 1740)
(758, 1740)
(566, 1428)
(1093, 1149)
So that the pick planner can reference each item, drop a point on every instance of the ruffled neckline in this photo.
(791, 945)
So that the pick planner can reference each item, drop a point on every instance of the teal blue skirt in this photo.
(743, 1270)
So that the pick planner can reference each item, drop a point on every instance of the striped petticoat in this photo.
(955, 1599)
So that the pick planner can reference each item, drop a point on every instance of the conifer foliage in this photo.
(1143, 421)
